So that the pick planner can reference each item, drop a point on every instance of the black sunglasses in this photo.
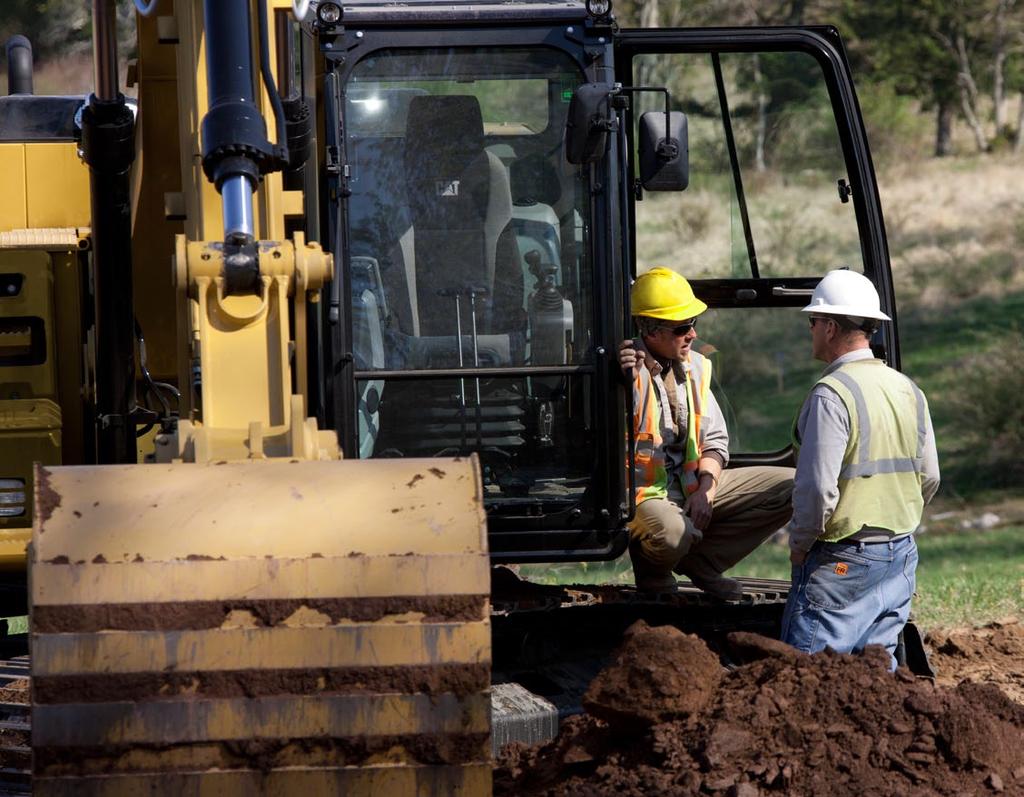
(812, 318)
(682, 329)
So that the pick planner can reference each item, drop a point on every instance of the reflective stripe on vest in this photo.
(863, 465)
(651, 478)
(880, 479)
(650, 470)
(699, 372)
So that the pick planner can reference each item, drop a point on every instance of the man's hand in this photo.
(699, 507)
(797, 557)
(630, 360)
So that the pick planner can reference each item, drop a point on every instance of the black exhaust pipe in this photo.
(19, 65)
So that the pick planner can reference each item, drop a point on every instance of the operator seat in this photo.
(463, 244)
(460, 204)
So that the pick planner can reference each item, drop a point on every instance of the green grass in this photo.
(970, 578)
(939, 350)
(16, 625)
(964, 578)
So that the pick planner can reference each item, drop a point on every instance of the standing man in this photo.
(692, 516)
(866, 467)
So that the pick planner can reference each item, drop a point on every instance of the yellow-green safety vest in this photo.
(880, 479)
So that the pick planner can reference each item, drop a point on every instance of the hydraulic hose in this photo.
(268, 81)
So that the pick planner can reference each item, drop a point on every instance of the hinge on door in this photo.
(331, 160)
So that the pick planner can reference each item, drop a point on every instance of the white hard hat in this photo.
(845, 292)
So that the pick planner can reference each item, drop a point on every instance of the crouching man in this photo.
(693, 516)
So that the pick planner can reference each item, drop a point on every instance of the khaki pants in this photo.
(751, 505)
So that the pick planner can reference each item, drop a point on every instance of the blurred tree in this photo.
(21, 16)
(947, 52)
(62, 28)
(965, 31)
(892, 41)
(953, 55)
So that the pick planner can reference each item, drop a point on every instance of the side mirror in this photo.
(664, 159)
(588, 123)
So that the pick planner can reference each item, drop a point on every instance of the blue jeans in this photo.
(848, 595)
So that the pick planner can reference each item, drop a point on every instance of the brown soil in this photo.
(266, 613)
(993, 654)
(14, 742)
(460, 679)
(659, 675)
(782, 722)
(15, 691)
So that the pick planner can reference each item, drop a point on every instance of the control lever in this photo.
(472, 292)
(458, 338)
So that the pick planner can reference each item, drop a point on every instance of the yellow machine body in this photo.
(44, 219)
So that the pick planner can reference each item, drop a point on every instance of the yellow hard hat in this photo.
(662, 293)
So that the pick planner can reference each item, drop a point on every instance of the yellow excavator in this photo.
(405, 232)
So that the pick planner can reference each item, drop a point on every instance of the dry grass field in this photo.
(956, 228)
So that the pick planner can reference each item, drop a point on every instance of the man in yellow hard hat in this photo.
(866, 466)
(693, 517)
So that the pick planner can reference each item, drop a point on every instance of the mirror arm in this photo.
(667, 148)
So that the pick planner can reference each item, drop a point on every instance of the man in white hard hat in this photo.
(866, 466)
(693, 516)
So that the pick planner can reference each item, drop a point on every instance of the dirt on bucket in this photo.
(662, 720)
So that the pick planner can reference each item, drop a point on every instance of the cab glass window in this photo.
(768, 200)
(467, 237)
(772, 204)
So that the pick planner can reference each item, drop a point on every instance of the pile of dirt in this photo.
(781, 723)
(992, 654)
(660, 675)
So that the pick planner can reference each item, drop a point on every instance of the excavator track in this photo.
(15, 727)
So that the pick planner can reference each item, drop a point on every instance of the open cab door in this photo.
(781, 190)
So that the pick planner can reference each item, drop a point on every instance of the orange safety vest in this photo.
(650, 473)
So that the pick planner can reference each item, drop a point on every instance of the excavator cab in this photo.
(466, 321)
(501, 175)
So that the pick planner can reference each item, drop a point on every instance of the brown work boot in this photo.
(664, 582)
(708, 580)
(648, 576)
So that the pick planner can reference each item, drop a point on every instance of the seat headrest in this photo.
(534, 180)
(446, 131)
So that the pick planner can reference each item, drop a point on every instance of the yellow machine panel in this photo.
(27, 363)
(45, 185)
(30, 418)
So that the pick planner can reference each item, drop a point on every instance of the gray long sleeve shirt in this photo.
(824, 429)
